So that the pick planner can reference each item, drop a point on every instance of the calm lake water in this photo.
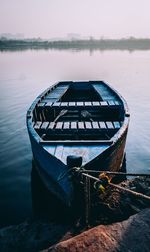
(25, 74)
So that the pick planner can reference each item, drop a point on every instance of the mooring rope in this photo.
(119, 187)
(119, 173)
(84, 172)
(65, 173)
(140, 195)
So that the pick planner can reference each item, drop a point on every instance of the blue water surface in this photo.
(25, 74)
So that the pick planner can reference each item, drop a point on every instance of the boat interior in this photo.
(78, 111)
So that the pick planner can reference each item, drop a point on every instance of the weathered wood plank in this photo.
(38, 125)
(50, 148)
(102, 125)
(88, 103)
(111, 103)
(66, 125)
(78, 150)
(59, 151)
(104, 92)
(62, 87)
(51, 125)
(79, 103)
(59, 125)
(41, 104)
(73, 125)
(88, 125)
(48, 104)
(110, 125)
(103, 103)
(81, 125)
(56, 104)
(88, 152)
(96, 103)
(95, 125)
(64, 104)
(116, 103)
(71, 104)
(54, 94)
(116, 125)
(44, 125)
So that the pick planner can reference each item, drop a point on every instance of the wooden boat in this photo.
(73, 123)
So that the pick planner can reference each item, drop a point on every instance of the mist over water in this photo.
(25, 74)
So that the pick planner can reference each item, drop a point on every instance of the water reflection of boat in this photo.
(74, 123)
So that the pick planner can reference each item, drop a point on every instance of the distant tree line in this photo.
(85, 44)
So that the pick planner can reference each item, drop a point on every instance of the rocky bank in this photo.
(119, 221)
(131, 235)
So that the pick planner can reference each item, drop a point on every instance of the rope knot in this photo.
(102, 183)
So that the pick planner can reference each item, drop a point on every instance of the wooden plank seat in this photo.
(78, 104)
(96, 108)
(37, 125)
(56, 93)
(86, 104)
(80, 127)
(45, 110)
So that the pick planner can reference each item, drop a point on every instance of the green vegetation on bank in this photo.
(130, 44)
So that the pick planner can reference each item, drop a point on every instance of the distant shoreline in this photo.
(130, 44)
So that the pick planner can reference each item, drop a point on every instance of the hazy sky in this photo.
(57, 18)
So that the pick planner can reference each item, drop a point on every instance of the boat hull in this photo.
(50, 168)
(85, 127)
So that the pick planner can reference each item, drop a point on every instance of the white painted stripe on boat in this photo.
(44, 125)
(56, 104)
(88, 125)
(103, 103)
(73, 125)
(81, 125)
(109, 125)
(38, 125)
(102, 125)
(96, 103)
(41, 104)
(116, 103)
(48, 104)
(51, 125)
(71, 103)
(111, 103)
(59, 125)
(66, 125)
(64, 104)
(95, 125)
(116, 125)
(79, 103)
(88, 103)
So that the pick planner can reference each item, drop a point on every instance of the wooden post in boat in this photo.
(87, 199)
